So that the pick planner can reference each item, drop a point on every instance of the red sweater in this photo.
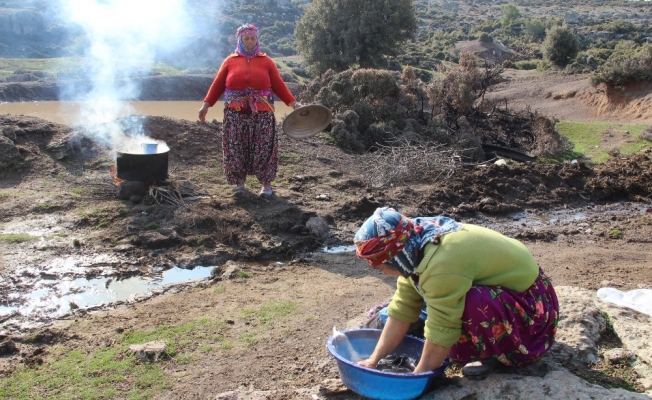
(239, 73)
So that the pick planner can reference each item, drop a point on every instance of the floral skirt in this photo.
(250, 146)
(517, 328)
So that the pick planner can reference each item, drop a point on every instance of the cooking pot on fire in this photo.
(145, 163)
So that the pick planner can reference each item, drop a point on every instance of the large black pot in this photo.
(142, 167)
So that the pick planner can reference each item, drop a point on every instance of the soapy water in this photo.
(341, 338)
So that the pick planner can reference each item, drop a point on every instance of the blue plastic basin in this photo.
(373, 383)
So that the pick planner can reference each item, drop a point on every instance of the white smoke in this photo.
(123, 38)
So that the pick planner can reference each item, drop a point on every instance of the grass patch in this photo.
(77, 374)
(152, 226)
(289, 159)
(77, 191)
(219, 289)
(615, 234)
(244, 274)
(587, 138)
(270, 312)
(16, 237)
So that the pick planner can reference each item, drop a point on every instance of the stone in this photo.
(617, 356)
(332, 386)
(318, 227)
(154, 240)
(60, 149)
(132, 188)
(149, 351)
(9, 154)
(9, 132)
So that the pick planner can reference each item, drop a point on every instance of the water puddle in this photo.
(54, 297)
(339, 249)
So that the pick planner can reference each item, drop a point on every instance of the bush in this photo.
(526, 64)
(628, 63)
(561, 46)
(485, 38)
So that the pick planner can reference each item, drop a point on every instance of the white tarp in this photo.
(639, 299)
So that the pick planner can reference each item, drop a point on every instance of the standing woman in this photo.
(248, 79)
(487, 300)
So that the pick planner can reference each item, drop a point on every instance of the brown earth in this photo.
(573, 98)
(588, 226)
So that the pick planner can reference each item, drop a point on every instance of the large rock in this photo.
(9, 154)
(554, 385)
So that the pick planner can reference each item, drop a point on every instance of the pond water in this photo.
(66, 112)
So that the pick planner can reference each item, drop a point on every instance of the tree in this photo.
(510, 14)
(336, 34)
(560, 46)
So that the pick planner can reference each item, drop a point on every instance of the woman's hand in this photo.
(296, 105)
(369, 363)
(431, 357)
(203, 111)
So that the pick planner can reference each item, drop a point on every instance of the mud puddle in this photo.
(52, 295)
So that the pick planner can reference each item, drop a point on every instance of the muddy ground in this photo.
(588, 226)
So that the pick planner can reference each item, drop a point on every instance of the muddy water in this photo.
(38, 293)
(66, 112)
(54, 295)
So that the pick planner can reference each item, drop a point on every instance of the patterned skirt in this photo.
(517, 328)
(250, 146)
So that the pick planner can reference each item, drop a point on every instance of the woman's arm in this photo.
(432, 357)
(393, 332)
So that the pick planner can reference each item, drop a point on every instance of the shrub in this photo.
(628, 63)
(526, 64)
(485, 38)
(560, 46)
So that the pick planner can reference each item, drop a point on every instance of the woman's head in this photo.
(392, 239)
(382, 239)
(247, 36)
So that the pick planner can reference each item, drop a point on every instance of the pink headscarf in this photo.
(247, 29)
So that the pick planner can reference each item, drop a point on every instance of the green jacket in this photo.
(471, 256)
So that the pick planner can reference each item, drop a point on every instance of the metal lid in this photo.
(307, 121)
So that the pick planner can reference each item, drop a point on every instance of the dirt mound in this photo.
(572, 97)
(488, 51)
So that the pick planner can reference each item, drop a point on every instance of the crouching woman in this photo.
(487, 301)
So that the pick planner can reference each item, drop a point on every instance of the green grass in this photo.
(244, 274)
(77, 374)
(16, 237)
(74, 64)
(587, 138)
(270, 312)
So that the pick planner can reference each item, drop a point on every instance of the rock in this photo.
(60, 149)
(149, 351)
(9, 154)
(230, 270)
(245, 395)
(323, 197)
(154, 240)
(8, 347)
(617, 356)
(554, 385)
(136, 199)
(332, 386)
(9, 132)
(132, 188)
(318, 227)
(580, 326)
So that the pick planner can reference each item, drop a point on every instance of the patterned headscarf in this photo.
(247, 29)
(388, 237)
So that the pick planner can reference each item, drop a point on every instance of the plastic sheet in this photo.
(639, 299)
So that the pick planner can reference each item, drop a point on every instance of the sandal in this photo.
(239, 189)
(266, 191)
(481, 367)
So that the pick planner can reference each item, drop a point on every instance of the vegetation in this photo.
(340, 34)
(16, 237)
(560, 46)
(628, 63)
